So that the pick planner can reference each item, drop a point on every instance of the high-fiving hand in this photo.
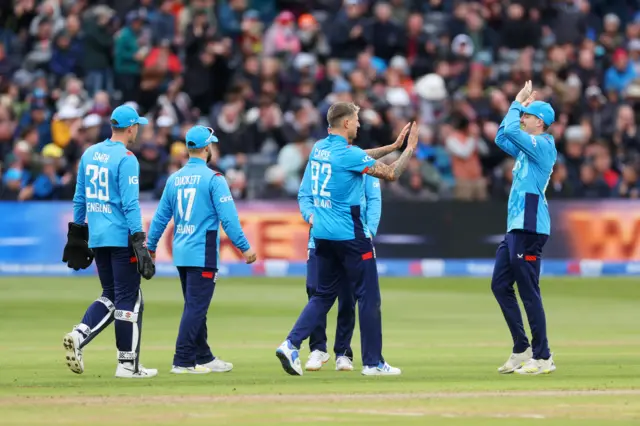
(530, 99)
(524, 94)
(403, 134)
(412, 143)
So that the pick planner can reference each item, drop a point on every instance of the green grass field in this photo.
(447, 335)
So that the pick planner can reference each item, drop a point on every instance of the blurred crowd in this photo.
(263, 73)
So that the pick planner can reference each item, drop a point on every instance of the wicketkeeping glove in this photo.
(145, 264)
(77, 253)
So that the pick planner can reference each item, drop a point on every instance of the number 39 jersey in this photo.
(198, 199)
(336, 171)
(107, 194)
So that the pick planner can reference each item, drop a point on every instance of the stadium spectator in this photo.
(263, 75)
(98, 50)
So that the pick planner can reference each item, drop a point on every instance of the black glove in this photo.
(77, 253)
(145, 264)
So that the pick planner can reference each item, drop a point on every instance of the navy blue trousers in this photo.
(120, 283)
(346, 314)
(518, 260)
(197, 289)
(345, 263)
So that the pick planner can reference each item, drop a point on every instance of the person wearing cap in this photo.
(107, 198)
(12, 184)
(199, 200)
(620, 75)
(523, 134)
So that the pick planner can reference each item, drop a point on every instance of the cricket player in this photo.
(344, 250)
(107, 197)
(523, 135)
(372, 205)
(198, 199)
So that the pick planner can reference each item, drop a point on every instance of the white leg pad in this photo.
(132, 317)
(127, 356)
(129, 316)
(106, 302)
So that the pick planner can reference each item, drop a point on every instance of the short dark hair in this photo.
(196, 151)
(339, 111)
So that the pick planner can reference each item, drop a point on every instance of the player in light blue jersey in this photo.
(107, 198)
(523, 135)
(198, 199)
(344, 250)
(372, 205)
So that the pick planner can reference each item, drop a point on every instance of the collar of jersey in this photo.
(194, 160)
(337, 138)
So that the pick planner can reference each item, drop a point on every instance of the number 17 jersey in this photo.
(198, 200)
(336, 169)
(107, 194)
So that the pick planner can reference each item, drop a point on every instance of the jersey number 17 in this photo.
(188, 194)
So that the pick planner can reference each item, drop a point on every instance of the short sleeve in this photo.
(356, 160)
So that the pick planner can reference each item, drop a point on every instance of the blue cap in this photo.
(125, 116)
(200, 136)
(542, 110)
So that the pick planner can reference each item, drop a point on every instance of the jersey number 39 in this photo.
(316, 168)
(98, 182)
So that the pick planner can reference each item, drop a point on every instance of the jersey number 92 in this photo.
(320, 172)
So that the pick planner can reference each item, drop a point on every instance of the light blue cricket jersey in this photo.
(371, 202)
(107, 194)
(198, 199)
(535, 157)
(335, 172)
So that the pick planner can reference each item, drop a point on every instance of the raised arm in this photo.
(377, 153)
(393, 172)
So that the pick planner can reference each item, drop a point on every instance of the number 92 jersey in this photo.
(336, 171)
(107, 194)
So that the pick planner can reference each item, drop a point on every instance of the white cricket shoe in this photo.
(344, 363)
(126, 370)
(218, 366)
(537, 366)
(383, 369)
(71, 342)
(316, 360)
(198, 369)
(516, 361)
(289, 357)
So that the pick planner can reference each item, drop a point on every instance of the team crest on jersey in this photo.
(533, 141)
